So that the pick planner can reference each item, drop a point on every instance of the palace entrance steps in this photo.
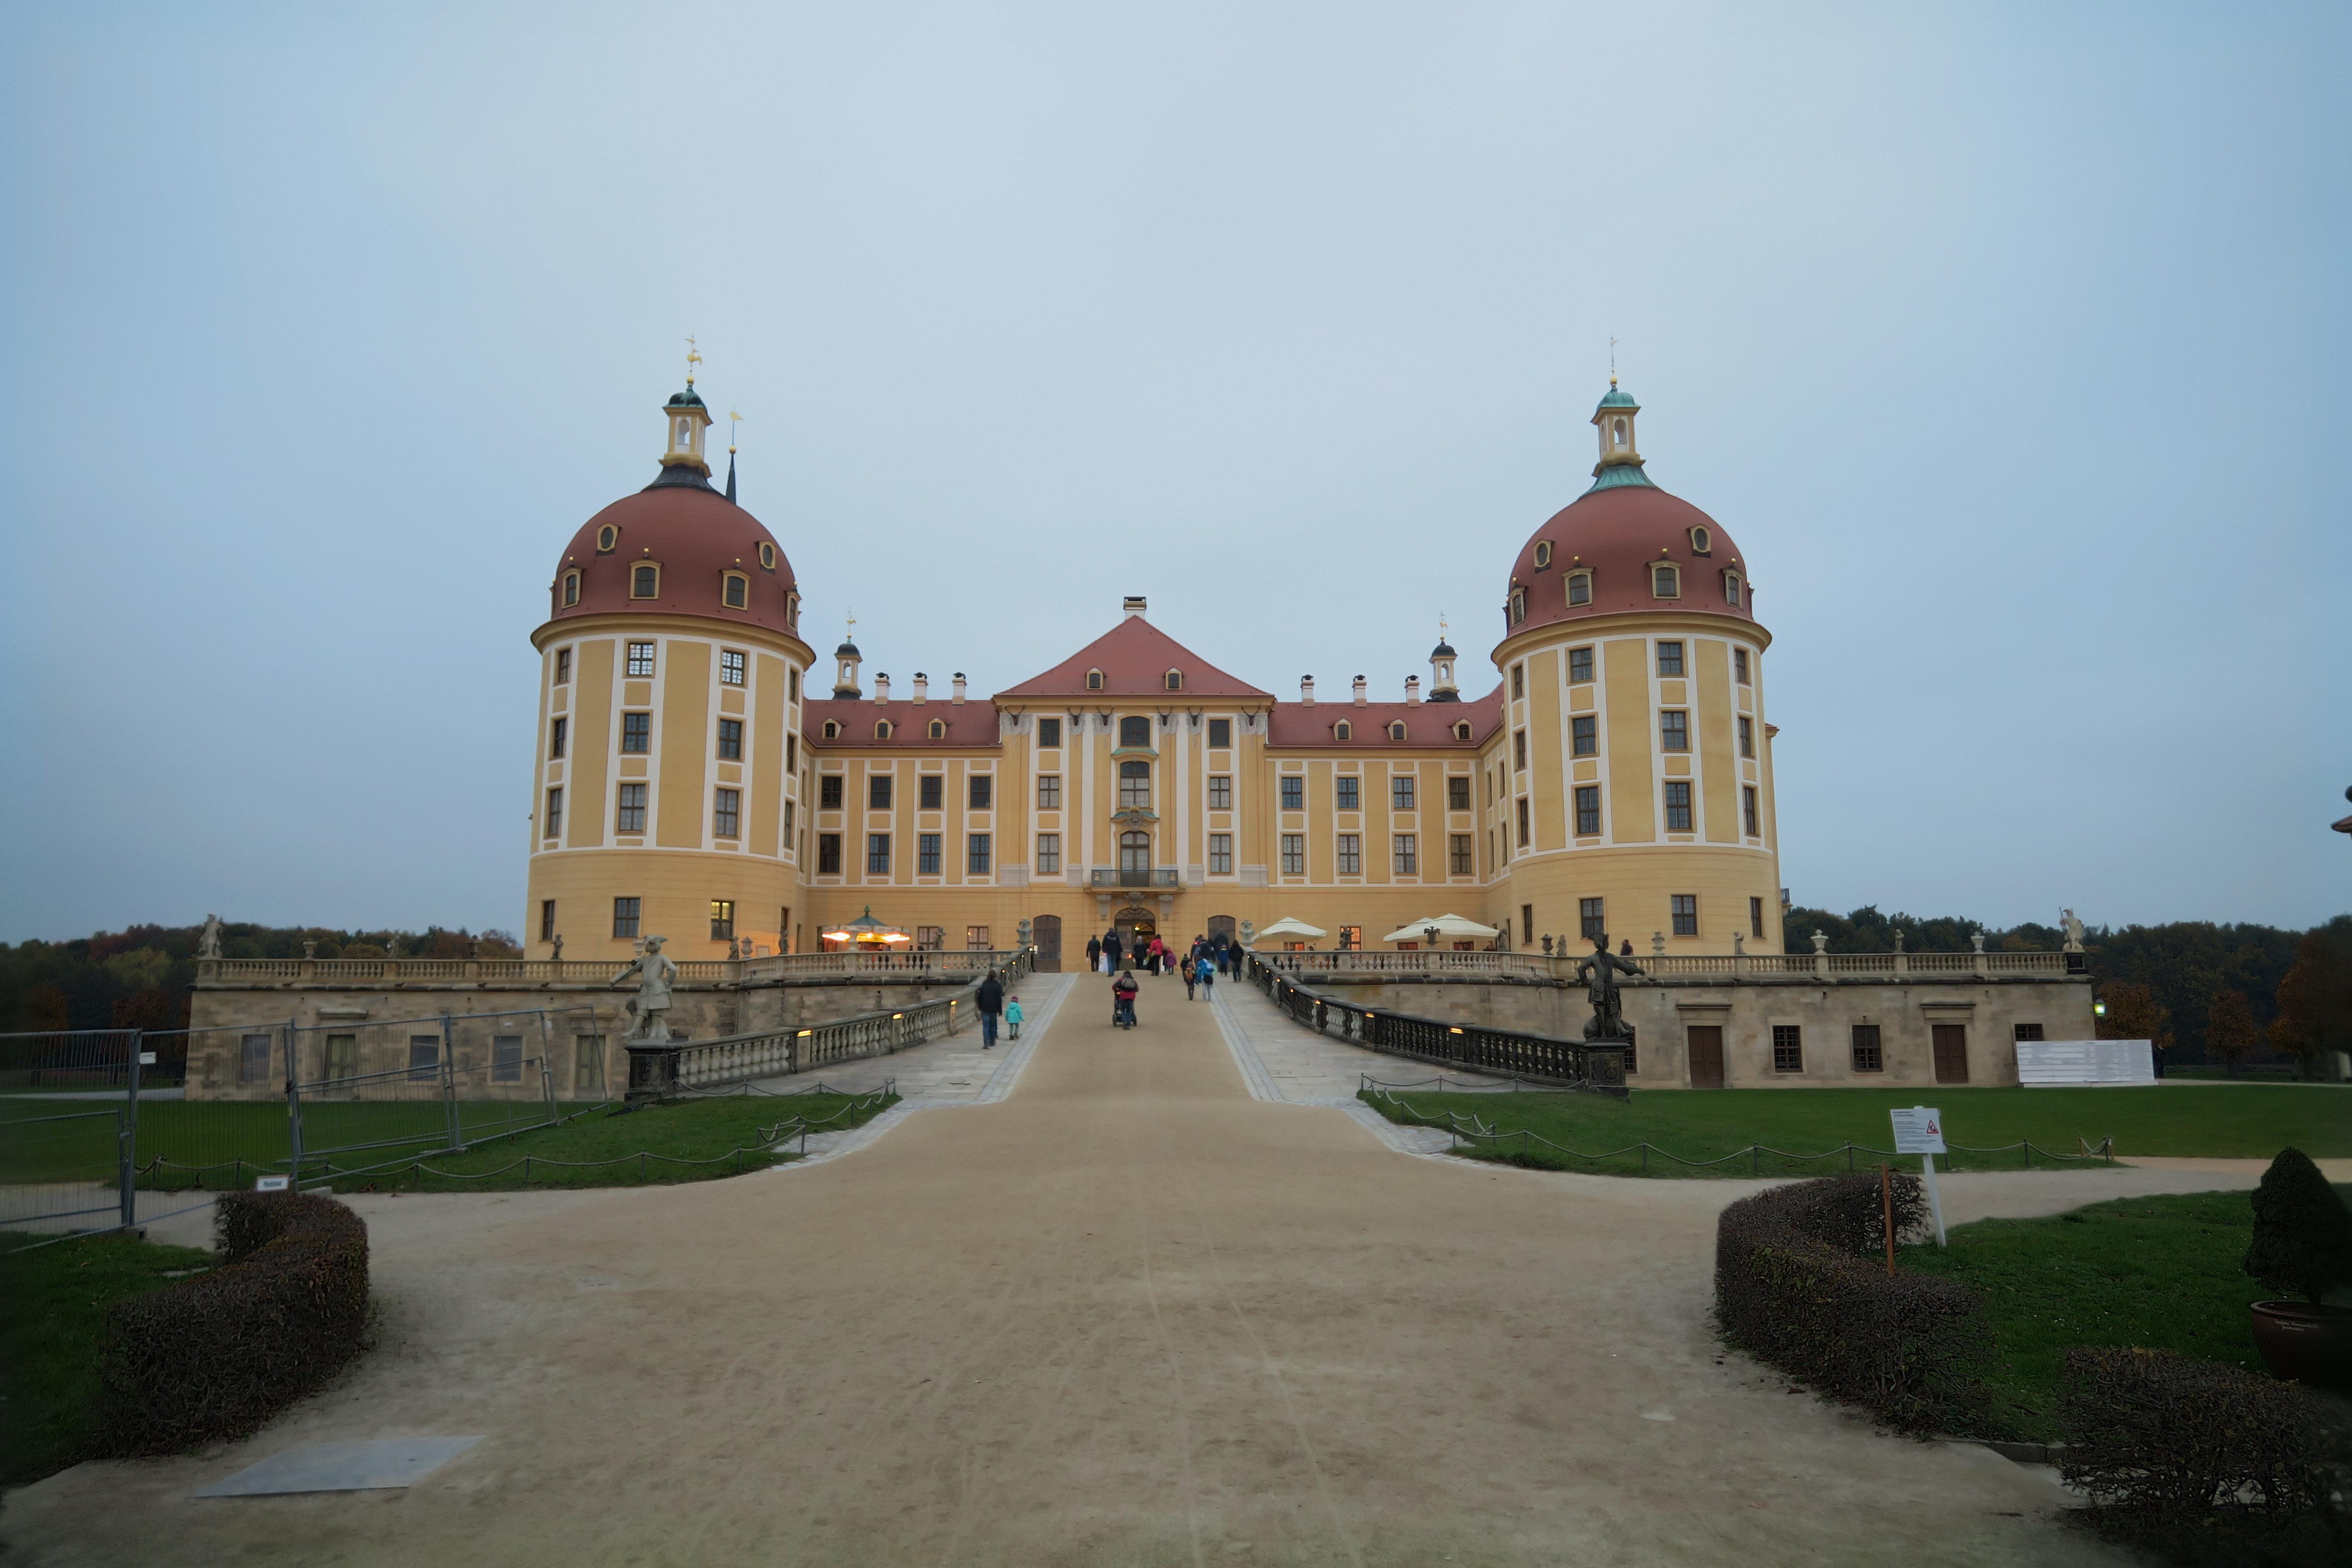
(1127, 1313)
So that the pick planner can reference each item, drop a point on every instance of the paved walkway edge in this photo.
(1422, 1142)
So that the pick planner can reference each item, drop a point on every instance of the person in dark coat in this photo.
(1111, 947)
(990, 1000)
(1094, 953)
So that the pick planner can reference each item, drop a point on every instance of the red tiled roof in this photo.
(1135, 657)
(1619, 533)
(969, 723)
(697, 536)
(1295, 725)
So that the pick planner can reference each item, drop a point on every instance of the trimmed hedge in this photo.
(1801, 1283)
(219, 1353)
(2163, 1442)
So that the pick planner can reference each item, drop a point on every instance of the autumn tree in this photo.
(2230, 1031)
(2133, 1014)
(2315, 1000)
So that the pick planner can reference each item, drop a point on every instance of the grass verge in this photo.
(53, 1302)
(2245, 1122)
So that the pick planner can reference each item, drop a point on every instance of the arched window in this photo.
(1135, 786)
(571, 589)
(736, 590)
(1620, 431)
(1543, 553)
(1343, 731)
(1135, 852)
(939, 730)
(1462, 731)
(1396, 729)
(1135, 731)
(1580, 587)
(607, 537)
(1665, 583)
(832, 730)
(645, 581)
(767, 555)
(1731, 589)
(1519, 605)
(881, 729)
(1173, 681)
(1094, 680)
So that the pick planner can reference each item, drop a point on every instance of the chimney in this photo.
(1133, 604)
(922, 687)
(1307, 691)
(958, 697)
(881, 688)
(1412, 688)
(1360, 697)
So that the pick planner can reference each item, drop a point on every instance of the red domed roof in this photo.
(698, 537)
(1619, 532)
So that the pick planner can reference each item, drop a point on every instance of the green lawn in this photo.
(53, 1302)
(2252, 1121)
(682, 1141)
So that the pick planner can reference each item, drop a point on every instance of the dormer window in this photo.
(1579, 588)
(1462, 731)
(607, 537)
(881, 729)
(1173, 681)
(832, 730)
(1094, 680)
(1665, 583)
(767, 555)
(571, 589)
(1342, 730)
(1701, 543)
(1731, 589)
(645, 581)
(736, 590)
(1543, 554)
(1519, 605)
(939, 730)
(1396, 729)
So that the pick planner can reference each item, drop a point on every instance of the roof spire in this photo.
(733, 419)
(693, 358)
(1613, 362)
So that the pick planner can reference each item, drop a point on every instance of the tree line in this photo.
(2204, 992)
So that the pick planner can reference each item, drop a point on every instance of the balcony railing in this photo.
(364, 973)
(1796, 966)
(1164, 876)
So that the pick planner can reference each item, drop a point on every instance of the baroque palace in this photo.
(697, 778)
(694, 784)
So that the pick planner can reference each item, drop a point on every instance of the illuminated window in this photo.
(730, 667)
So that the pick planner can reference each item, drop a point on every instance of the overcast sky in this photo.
(2008, 341)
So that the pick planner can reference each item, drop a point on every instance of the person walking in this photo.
(1013, 1018)
(990, 1000)
(1112, 948)
(1094, 953)
(1192, 978)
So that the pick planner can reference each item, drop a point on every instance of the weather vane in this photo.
(693, 358)
(1613, 361)
(733, 419)
(851, 635)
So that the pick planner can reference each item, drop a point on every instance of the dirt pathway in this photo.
(1130, 1315)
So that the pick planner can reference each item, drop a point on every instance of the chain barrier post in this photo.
(127, 1138)
(293, 1105)
(457, 1139)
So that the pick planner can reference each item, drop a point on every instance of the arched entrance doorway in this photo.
(1135, 921)
(1046, 935)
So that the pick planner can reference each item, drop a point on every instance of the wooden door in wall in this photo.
(1045, 931)
(1706, 1056)
(1951, 1053)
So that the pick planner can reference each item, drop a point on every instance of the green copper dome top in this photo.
(1618, 397)
(689, 398)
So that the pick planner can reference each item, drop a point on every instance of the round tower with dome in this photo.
(665, 800)
(1635, 760)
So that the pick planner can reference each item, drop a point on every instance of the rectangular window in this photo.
(2026, 1032)
(1458, 793)
(339, 1057)
(983, 791)
(1518, 680)
(547, 919)
(975, 857)
(1351, 854)
(1458, 860)
(1049, 854)
(1400, 791)
(506, 1059)
(1527, 925)
(730, 740)
(828, 793)
(641, 658)
(1407, 850)
(1584, 735)
(1135, 786)
(1747, 736)
(1293, 854)
(1221, 733)
(1591, 919)
(788, 825)
(554, 812)
(1049, 792)
(562, 666)
(1588, 810)
(1756, 918)
(792, 753)
(1221, 792)
(730, 667)
(930, 939)
(637, 732)
(1788, 1048)
(726, 814)
(555, 736)
(1347, 798)
(877, 792)
(1519, 750)
(1867, 1057)
(424, 1057)
(1293, 793)
(1049, 733)
(1670, 658)
(927, 854)
(1674, 729)
(253, 1059)
(792, 683)
(1579, 665)
(877, 853)
(1739, 664)
(1685, 911)
(625, 917)
(975, 939)
(828, 854)
(1678, 807)
(929, 791)
(631, 817)
(1748, 810)
(587, 1065)
(1221, 854)
(1525, 836)
(722, 919)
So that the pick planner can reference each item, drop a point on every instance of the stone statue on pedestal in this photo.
(1598, 974)
(2073, 930)
(208, 945)
(655, 973)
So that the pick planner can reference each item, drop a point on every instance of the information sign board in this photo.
(2086, 1061)
(272, 1183)
(1918, 1131)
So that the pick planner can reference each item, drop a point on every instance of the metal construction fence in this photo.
(1524, 1146)
(69, 1129)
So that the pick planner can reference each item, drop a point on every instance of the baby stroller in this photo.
(1122, 1002)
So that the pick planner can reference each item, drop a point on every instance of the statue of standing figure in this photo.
(654, 974)
(1598, 973)
(208, 945)
(2073, 927)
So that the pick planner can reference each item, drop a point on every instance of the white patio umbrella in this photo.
(1297, 929)
(1450, 927)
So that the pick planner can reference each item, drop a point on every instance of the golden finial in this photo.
(733, 419)
(1441, 626)
(693, 358)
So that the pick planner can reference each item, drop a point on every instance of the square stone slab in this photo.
(388, 1462)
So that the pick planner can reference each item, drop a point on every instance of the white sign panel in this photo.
(272, 1183)
(1918, 1131)
(146, 1059)
(2086, 1061)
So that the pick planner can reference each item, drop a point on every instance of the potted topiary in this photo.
(2302, 1244)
